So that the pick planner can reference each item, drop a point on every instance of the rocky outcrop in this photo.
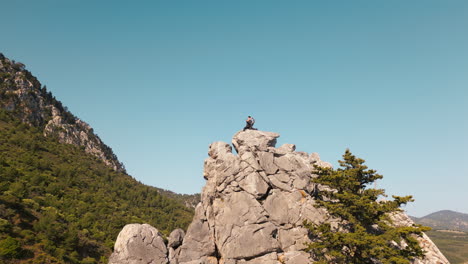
(432, 253)
(22, 94)
(139, 244)
(254, 204)
(79, 133)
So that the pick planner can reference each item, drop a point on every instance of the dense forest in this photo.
(59, 204)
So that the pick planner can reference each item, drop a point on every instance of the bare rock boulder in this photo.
(139, 244)
(175, 238)
(254, 140)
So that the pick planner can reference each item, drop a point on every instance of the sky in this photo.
(161, 80)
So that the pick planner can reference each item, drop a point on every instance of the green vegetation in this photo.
(453, 244)
(189, 200)
(36, 107)
(9, 72)
(365, 232)
(61, 205)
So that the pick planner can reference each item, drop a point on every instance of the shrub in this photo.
(10, 248)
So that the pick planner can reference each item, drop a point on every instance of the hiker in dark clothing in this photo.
(249, 123)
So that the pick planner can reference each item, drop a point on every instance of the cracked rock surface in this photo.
(254, 204)
(139, 244)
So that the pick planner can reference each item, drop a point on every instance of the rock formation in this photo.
(433, 254)
(22, 94)
(139, 244)
(253, 207)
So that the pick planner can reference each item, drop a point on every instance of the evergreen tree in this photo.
(365, 233)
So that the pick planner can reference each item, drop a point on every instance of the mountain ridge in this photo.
(22, 94)
(445, 219)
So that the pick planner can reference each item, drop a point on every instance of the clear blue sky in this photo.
(160, 80)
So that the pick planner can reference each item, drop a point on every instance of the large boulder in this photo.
(175, 238)
(254, 140)
(139, 244)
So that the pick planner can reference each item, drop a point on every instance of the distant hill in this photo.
(450, 233)
(64, 196)
(445, 220)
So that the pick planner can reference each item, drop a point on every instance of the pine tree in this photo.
(365, 233)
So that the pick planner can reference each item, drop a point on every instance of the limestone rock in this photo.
(271, 258)
(296, 257)
(301, 183)
(175, 238)
(173, 255)
(251, 160)
(254, 140)
(293, 239)
(286, 148)
(198, 242)
(203, 260)
(266, 162)
(281, 181)
(250, 240)
(219, 150)
(314, 157)
(238, 217)
(254, 204)
(254, 184)
(432, 253)
(283, 163)
(139, 244)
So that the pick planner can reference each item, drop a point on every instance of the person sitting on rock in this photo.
(250, 122)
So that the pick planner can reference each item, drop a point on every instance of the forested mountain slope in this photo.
(64, 196)
(26, 98)
(60, 204)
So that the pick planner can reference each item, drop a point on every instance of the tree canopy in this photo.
(364, 231)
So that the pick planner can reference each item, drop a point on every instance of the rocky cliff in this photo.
(22, 94)
(252, 210)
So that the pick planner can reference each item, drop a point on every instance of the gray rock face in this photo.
(254, 204)
(198, 243)
(139, 244)
(80, 133)
(254, 185)
(175, 238)
(254, 140)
